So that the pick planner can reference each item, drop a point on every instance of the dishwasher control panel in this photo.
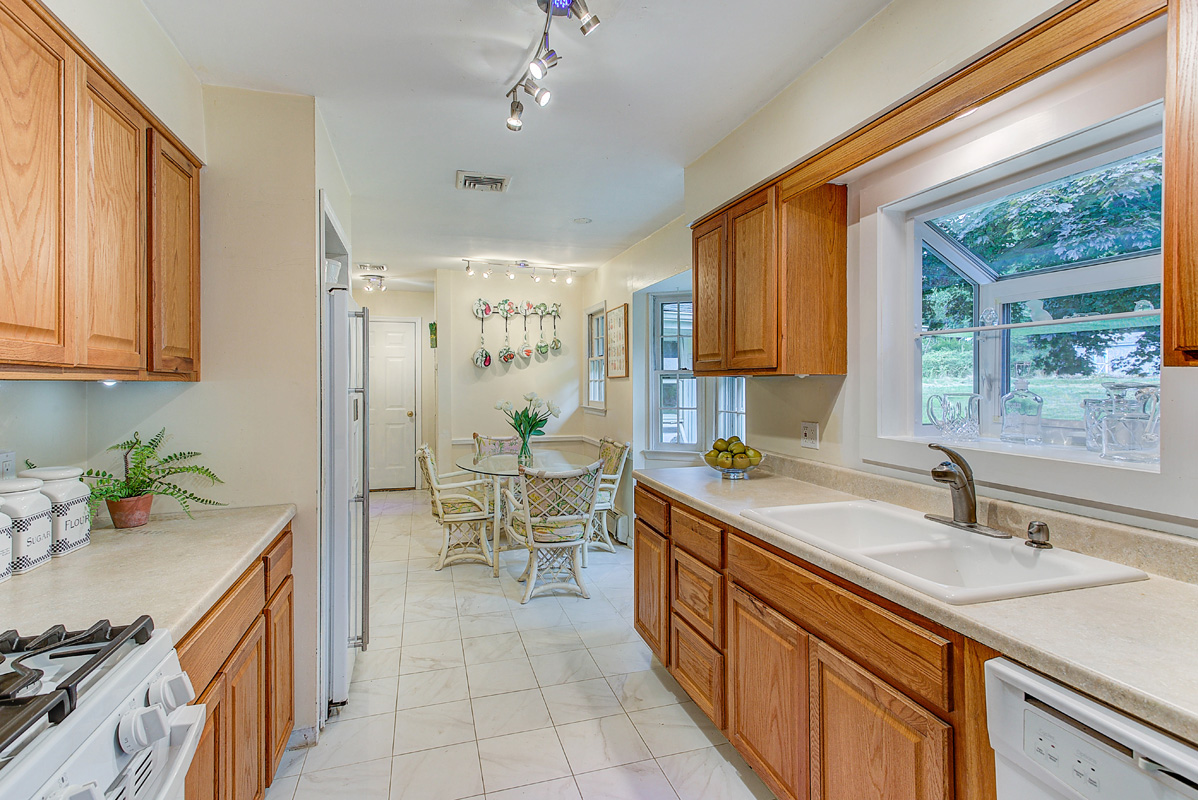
(1085, 765)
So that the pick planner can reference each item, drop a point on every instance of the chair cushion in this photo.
(550, 531)
(604, 502)
(460, 505)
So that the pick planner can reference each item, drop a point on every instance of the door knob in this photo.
(411, 413)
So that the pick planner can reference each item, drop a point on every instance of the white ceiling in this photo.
(413, 90)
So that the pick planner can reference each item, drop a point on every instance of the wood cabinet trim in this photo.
(278, 561)
(206, 647)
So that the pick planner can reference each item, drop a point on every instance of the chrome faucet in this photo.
(958, 476)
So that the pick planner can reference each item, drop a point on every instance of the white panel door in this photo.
(393, 370)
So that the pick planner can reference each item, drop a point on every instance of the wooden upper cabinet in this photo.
(752, 303)
(112, 228)
(174, 259)
(708, 280)
(38, 102)
(770, 285)
(1180, 306)
(867, 740)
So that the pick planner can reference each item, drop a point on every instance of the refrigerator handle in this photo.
(365, 478)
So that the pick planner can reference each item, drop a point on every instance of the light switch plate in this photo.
(810, 438)
(8, 464)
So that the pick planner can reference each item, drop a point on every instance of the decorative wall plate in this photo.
(482, 309)
(507, 355)
(482, 358)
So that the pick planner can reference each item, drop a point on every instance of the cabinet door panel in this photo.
(38, 97)
(174, 259)
(113, 228)
(651, 584)
(246, 676)
(752, 302)
(207, 777)
(699, 669)
(708, 278)
(814, 255)
(280, 650)
(870, 741)
(767, 665)
(697, 595)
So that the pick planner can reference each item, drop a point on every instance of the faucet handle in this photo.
(1037, 535)
(956, 458)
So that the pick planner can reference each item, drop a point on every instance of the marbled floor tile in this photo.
(647, 689)
(643, 780)
(560, 789)
(496, 647)
(543, 641)
(713, 772)
(432, 688)
(608, 632)
(574, 702)
(567, 667)
(675, 729)
(539, 612)
(351, 741)
(292, 762)
(426, 657)
(425, 610)
(367, 698)
(472, 601)
(284, 788)
(617, 659)
(385, 635)
(487, 624)
(595, 744)
(500, 677)
(522, 758)
(444, 773)
(369, 780)
(514, 712)
(433, 726)
(376, 664)
(429, 631)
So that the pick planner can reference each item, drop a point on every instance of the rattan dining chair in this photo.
(496, 445)
(612, 455)
(550, 514)
(463, 507)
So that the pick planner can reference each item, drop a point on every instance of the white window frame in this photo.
(720, 414)
(1115, 273)
(596, 313)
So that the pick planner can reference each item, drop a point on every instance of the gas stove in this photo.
(98, 714)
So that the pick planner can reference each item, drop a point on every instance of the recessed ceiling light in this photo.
(583, 220)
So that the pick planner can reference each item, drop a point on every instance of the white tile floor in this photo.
(465, 693)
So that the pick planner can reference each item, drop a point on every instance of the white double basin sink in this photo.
(956, 566)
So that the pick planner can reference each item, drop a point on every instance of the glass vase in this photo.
(525, 456)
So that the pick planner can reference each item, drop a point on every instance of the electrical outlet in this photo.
(8, 464)
(810, 438)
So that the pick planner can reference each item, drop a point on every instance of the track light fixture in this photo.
(554, 278)
(510, 269)
(578, 8)
(539, 67)
(511, 276)
(374, 283)
(487, 274)
(540, 94)
(469, 268)
(570, 277)
(514, 123)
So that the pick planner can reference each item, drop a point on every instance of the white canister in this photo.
(69, 515)
(5, 546)
(32, 530)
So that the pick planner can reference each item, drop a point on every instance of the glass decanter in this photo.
(1021, 410)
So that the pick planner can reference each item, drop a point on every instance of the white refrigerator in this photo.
(345, 501)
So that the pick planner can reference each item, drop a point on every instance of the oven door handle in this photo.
(187, 726)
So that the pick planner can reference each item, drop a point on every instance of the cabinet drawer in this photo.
(699, 669)
(206, 646)
(911, 658)
(698, 537)
(278, 562)
(652, 510)
(697, 595)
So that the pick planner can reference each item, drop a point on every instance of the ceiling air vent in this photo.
(482, 183)
(372, 267)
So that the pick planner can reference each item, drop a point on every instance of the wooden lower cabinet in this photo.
(699, 668)
(246, 698)
(280, 662)
(767, 663)
(867, 740)
(651, 589)
(208, 777)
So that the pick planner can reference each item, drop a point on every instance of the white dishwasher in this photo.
(1052, 743)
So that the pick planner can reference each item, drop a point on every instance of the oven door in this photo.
(187, 725)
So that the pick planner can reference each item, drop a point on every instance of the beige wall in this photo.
(412, 304)
(126, 37)
(255, 414)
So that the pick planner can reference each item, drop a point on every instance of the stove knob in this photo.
(172, 692)
(141, 727)
(77, 792)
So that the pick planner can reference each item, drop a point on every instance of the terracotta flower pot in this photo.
(131, 512)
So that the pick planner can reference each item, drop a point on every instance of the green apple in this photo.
(720, 444)
(740, 461)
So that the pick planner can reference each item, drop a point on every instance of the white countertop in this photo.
(1131, 645)
(173, 569)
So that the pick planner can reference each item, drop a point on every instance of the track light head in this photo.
(511, 276)
(469, 268)
(540, 67)
(570, 278)
(589, 21)
(540, 94)
(554, 278)
(514, 123)
(487, 274)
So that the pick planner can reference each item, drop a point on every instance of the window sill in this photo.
(598, 412)
(1072, 455)
(687, 456)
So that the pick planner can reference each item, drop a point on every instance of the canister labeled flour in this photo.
(32, 530)
(71, 522)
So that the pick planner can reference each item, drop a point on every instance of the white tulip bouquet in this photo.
(530, 420)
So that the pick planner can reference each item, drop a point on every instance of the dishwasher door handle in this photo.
(1167, 776)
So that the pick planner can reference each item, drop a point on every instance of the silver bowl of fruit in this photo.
(732, 457)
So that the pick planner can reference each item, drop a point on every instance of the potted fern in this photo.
(147, 473)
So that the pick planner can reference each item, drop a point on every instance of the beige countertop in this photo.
(173, 569)
(1131, 645)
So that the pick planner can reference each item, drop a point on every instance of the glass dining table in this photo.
(507, 465)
